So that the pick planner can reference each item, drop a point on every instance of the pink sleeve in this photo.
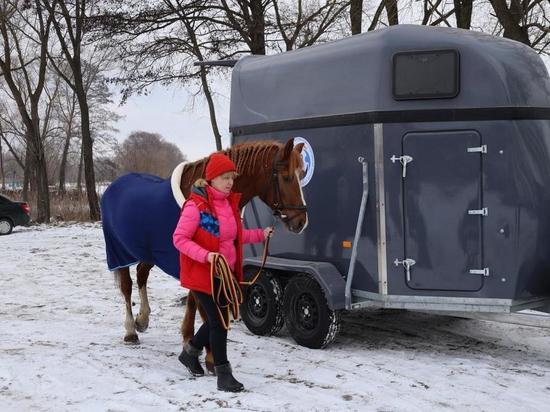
(253, 235)
(185, 230)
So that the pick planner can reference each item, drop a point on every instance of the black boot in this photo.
(226, 381)
(189, 356)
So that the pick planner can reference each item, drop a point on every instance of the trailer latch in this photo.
(480, 149)
(403, 160)
(484, 272)
(407, 263)
(482, 212)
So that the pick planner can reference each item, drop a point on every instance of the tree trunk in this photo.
(29, 167)
(87, 148)
(42, 190)
(40, 169)
(63, 166)
(211, 109)
(80, 163)
(510, 19)
(463, 13)
(2, 166)
(257, 29)
(392, 12)
(356, 16)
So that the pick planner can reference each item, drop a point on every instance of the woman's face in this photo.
(224, 182)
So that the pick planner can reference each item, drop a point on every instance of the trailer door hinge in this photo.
(407, 263)
(484, 272)
(403, 160)
(482, 212)
(480, 149)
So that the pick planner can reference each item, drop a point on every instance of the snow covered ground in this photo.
(61, 330)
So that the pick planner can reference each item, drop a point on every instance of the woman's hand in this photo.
(210, 257)
(268, 232)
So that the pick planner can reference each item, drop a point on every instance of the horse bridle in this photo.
(278, 205)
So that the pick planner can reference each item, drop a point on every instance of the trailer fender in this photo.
(329, 278)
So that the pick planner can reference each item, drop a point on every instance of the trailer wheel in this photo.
(262, 308)
(308, 317)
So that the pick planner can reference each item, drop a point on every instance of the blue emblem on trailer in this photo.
(308, 158)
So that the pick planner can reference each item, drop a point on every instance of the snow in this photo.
(61, 348)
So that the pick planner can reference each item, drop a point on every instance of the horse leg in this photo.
(142, 319)
(188, 326)
(209, 359)
(126, 289)
(188, 323)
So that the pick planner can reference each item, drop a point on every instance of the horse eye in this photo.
(287, 178)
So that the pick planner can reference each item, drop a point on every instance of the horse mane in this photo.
(251, 158)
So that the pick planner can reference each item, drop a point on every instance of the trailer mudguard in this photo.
(326, 274)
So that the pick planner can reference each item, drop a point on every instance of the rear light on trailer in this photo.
(26, 208)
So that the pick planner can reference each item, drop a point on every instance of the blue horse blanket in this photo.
(140, 213)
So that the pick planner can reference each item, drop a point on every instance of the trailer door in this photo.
(443, 210)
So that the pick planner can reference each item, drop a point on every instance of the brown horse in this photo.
(268, 169)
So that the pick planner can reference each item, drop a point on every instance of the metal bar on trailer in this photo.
(362, 208)
(380, 208)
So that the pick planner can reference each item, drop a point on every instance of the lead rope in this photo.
(228, 295)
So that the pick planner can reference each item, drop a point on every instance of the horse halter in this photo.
(278, 205)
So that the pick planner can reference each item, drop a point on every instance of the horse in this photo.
(140, 212)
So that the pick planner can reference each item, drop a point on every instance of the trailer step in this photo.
(524, 317)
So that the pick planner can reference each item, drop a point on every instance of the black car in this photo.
(12, 214)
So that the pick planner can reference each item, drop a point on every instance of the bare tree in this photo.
(247, 18)
(24, 27)
(392, 14)
(463, 13)
(69, 20)
(305, 23)
(525, 21)
(356, 16)
(148, 152)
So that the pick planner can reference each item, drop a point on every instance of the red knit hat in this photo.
(218, 164)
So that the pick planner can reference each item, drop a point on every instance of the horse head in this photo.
(285, 196)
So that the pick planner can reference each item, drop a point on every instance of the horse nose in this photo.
(299, 224)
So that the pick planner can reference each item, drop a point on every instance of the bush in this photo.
(72, 206)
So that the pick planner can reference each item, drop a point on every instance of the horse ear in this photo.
(299, 147)
(288, 149)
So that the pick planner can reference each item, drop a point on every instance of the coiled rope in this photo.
(226, 290)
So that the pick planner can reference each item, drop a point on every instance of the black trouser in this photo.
(211, 333)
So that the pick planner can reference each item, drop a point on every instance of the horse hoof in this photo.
(141, 327)
(131, 339)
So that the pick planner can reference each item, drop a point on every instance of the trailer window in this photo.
(426, 75)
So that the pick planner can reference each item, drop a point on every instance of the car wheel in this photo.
(262, 308)
(308, 317)
(6, 226)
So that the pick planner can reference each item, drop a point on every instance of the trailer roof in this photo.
(354, 75)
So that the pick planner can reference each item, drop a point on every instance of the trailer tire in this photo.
(262, 307)
(308, 317)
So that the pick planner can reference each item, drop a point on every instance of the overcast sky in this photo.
(178, 117)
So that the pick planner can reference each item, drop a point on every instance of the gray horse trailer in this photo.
(427, 182)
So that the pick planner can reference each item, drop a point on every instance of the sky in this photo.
(178, 117)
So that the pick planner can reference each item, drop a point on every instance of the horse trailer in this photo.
(427, 177)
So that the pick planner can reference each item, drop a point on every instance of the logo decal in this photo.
(308, 158)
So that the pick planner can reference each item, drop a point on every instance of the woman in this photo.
(210, 223)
